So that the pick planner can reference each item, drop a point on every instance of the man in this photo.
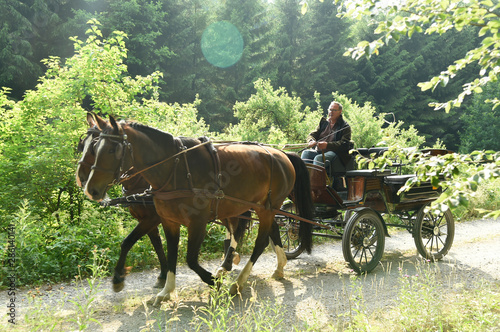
(330, 143)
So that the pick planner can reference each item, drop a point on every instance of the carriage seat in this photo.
(398, 179)
(369, 173)
(367, 152)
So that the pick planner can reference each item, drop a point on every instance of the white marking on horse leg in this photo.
(242, 278)
(220, 272)
(236, 256)
(281, 257)
(166, 292)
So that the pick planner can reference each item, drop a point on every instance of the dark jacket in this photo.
(339, 142)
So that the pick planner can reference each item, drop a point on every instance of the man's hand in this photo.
(311, 144)
(322, 145)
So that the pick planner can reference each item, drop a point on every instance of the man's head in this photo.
(334, 111)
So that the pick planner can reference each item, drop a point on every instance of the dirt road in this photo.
(316, 289)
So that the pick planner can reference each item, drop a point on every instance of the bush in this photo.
(53, 249)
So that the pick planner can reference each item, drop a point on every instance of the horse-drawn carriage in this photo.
(194, 181)
(354, 213)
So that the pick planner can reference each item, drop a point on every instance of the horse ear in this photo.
(114, 124)
(91, 119)
(100, 123)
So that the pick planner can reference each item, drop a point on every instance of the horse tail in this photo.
(303, 199)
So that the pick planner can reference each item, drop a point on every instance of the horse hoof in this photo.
(160, 283)
(234, 289)
(236, 258)
(220, 272)
(278, 275)
(118, 287)
(160, 299)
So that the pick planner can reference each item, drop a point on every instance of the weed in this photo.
(86, 299)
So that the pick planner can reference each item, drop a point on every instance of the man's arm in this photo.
(343, 144)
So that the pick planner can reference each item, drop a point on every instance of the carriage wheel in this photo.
(363, 240)
(433, 234)
(289, 230)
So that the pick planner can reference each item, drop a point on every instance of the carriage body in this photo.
(354, 213)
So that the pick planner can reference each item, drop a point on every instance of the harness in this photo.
(182, 150)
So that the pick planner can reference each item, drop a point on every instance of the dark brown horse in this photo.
(146, 215)
(193, 185)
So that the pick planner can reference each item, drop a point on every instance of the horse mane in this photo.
(158, 135)
(155, 134)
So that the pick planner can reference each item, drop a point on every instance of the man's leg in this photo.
(330, 159)
(308, 155)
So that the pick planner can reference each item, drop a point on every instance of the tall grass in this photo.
(487, 197)
(429, 300)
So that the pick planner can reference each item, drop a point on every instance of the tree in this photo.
(390, 80)
(223, 86)
(28, 34)
(39, 134)
(273, 117)
(426, 16)
(481, 123)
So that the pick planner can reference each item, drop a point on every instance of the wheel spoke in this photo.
(356, 254)
(371, 253)
(441, 240)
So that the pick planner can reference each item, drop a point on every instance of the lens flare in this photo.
(222, 44)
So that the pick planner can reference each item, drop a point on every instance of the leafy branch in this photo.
(428, 16)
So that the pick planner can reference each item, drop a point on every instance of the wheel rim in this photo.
(289, 232)
(290, 235)
(364, 242)
(434, 233)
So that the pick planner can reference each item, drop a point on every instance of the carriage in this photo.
(354, 212)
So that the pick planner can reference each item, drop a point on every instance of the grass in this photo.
(487, 197)
(429, 297)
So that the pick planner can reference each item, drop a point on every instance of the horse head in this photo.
(86, 147)
(109, 162)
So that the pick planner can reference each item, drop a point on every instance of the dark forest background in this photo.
(301, 52)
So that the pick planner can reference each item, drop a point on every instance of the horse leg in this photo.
(172, 234)
(236, 228)
(196, 234)
(229, 254)
(144, 227)
(155, 238)
(266, 219)
(278, 249)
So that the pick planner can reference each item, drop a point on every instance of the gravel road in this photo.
(315, 289)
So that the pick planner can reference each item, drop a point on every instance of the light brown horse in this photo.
(145, 214)
(193, 185)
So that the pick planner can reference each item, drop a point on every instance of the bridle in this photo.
(94, 131)
(122, 145)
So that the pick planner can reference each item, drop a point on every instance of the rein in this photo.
(216, 196)
(126, 176)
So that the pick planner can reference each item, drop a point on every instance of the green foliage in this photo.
(221, 314)
(481, 122)
(369, 129)
(56, 228)
(53, 249)
(429, 17)
(459, 175)
(38, 134)
(46, 317)
(273, 117)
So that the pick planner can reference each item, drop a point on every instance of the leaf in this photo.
(304, 8)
